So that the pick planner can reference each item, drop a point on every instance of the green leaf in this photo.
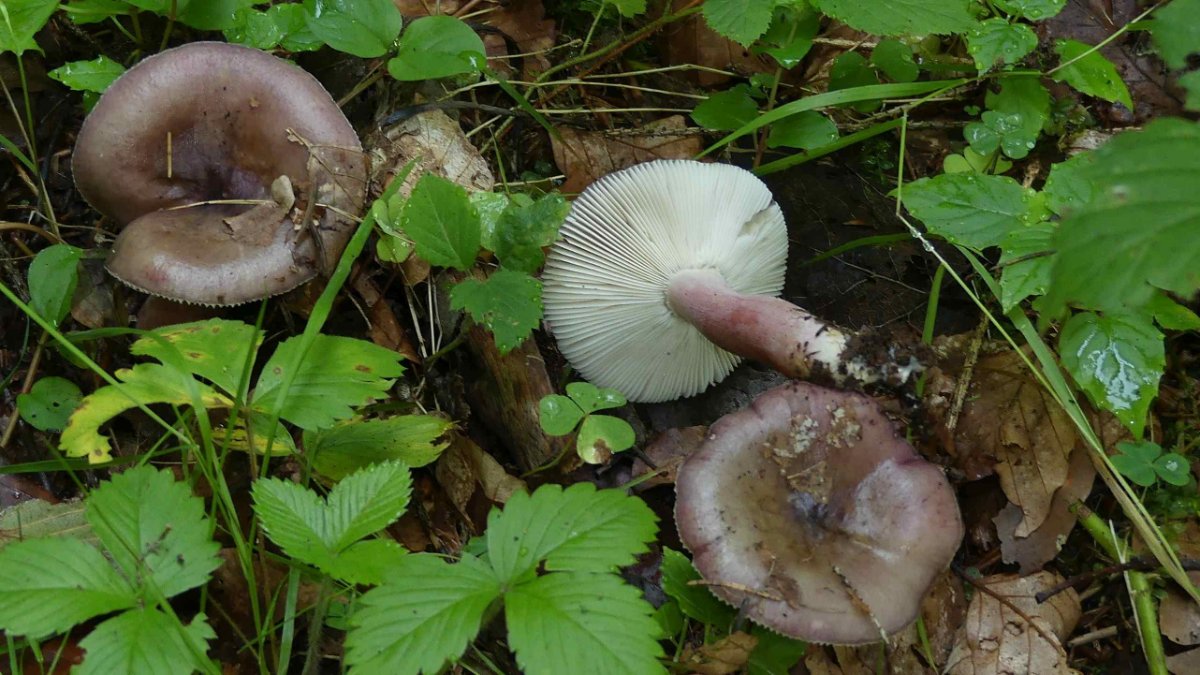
(442, 223)
(1026, 262)
(524, 229)
(83, 12)
(901, 17)
(1000, 131)
(344, 449)
(790, 36)
(53, 275)
(697, 602)
(1089, 72)
(895, 59)
(508, 303)
(145, 383)
(742, 21)
(421, 620)
(1174, 469)
(584, 624)
(602, 435)
(145, 641)
(628, 8)
(49, 585)
(970, 209)
(490, 206)
(1135, 461)
(558, 415)
(1068, 189)
(35, 519)
(726, 110)
(806, 130)
(1034, 10)
(337, 375)
(851, 71)
(1138, 231)
(94, 75)
(20, 20)
(1176, 30)
(215, 350)
(1017, 113)
(154, 529)
(1117, 362)
(998, 41)
(364, 28)
(1191, 84)
(591, 398)
(1171, 315)
(370, 562)
(435, 47)
(579, 529)
(258, 29)
(774, 654)
(315, 530)
(213, 14)
(49, 403)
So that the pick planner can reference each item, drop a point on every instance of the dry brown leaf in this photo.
(584, 156)
(692, 41)
(667, 451)
(1185, 663)
(1008, 416)
(723, 657)
(522, 21)
(464, 466)
(438, 145)
(1178, 615)
(1006, 631)
(1044, 543)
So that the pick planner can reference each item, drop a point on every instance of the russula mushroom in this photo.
(810, 513)
(230, 171)
(666, 274)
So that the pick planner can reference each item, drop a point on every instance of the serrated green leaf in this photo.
(697, 602)
(742, 21)
(1034, 10)
(442, 223)
(1138, 231)
(578, 529)
(970, 209)
(53, 275)
(369, 562)
(508, 303)
(1026, 262)
(584, 624)
(337, 375)
(558, 415)
(49, 585)
(155, 530)
(1135, 461)
(422, 619)
(522, 230)
(364, 28)
(145, 383)
(344, 449)
(901, 17)
(294, 517)
(591, 398)
(628, 8)
(94, 75)
(489, 206)
(602, 435)
(726, 110)
(145, 641)
(1089, 72)
(84, 12)
(1117, 361)
(774, 654)
(998, 41)
(806, 130)
(212, 14)
(36, 519)
(215, 349)
(20, 20)
(1176, 31)
(437, 46)
(895, 59)
(367, 501)
(49, 403)
(1068, 189)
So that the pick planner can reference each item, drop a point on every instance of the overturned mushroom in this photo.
(231, 171)
(666, 274)
(808, 511)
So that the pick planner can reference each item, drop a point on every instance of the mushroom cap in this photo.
(808, 511)
(237, 119)
(626, 237)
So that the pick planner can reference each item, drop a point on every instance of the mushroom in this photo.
(666, 275)
(810, 513)
(231, 172)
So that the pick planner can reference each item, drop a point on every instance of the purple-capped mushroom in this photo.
(808, 511)
(665, 276)
(233, 174)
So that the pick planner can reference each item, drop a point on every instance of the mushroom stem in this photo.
(775, 332)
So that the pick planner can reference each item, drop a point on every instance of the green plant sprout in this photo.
(599, 436)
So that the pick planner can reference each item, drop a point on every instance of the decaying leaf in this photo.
(464, 466)
(37, 518)
(1006, 631)
(723, 657)
(1184, 663)
(692, 41)
(437, 144)
(585, 156)
(667, 451)
(1178, 615)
